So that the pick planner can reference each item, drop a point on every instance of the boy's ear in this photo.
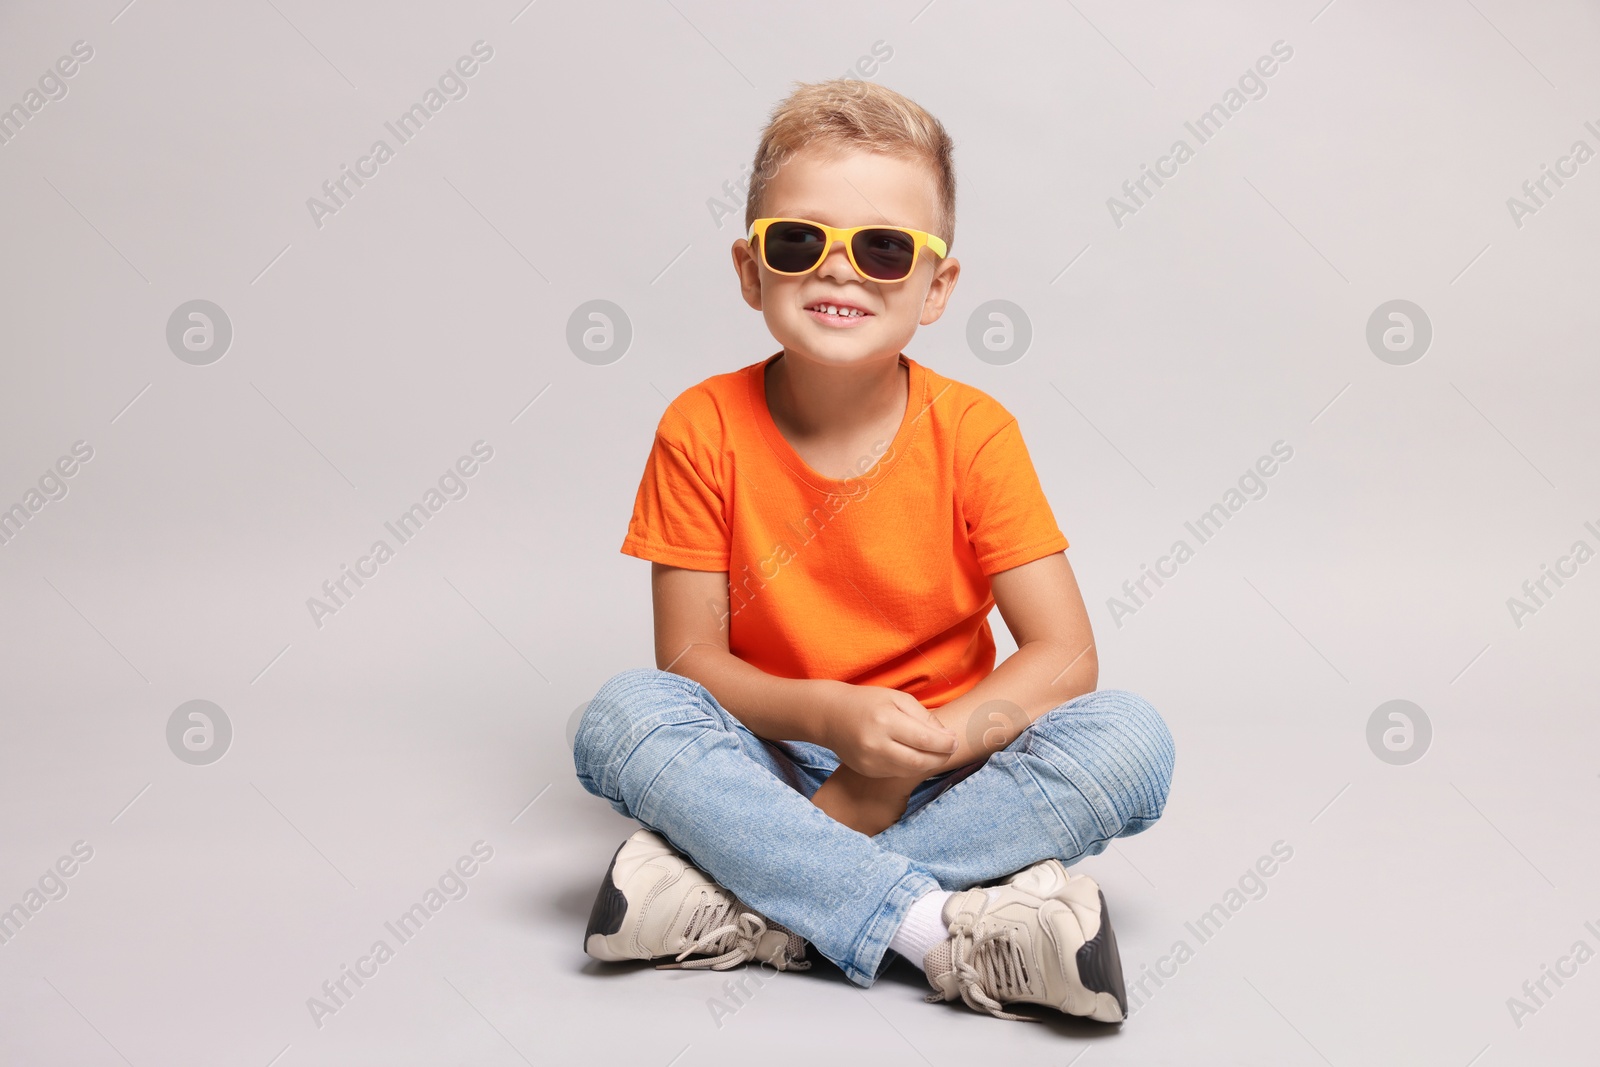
(939, 290)
(749, 271)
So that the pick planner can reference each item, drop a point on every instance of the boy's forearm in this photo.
(772, 708)
(1039, 676)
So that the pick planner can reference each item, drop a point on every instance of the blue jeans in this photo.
(662, 751)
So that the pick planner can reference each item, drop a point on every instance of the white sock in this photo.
(923, 927)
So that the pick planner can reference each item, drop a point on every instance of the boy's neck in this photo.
(813, 400)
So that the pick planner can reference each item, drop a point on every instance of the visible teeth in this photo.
(829, 309)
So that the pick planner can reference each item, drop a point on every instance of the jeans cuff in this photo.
(869, 956)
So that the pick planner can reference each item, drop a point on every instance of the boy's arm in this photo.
(691, 638)
(875, 729)
(1055, 661)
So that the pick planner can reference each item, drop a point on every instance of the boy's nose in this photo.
(836, 264)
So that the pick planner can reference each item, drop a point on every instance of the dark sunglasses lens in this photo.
(886, 255)
(793, 246)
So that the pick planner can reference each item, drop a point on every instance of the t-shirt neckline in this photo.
(915, 399)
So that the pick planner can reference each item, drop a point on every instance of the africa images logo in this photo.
(451, 85)
(1251, 86)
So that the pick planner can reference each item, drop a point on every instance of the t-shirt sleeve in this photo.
(1009, 521)
(678, 515)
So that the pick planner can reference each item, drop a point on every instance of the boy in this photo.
(827, 753)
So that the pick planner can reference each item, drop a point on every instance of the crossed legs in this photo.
(659, 748)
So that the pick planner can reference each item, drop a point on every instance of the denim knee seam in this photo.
(1139, 756)
(1069, 845)
(610, 740)
(1080, 778)
(642, 807)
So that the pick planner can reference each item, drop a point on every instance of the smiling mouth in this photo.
(838, 311)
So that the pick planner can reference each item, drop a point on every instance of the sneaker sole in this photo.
(1098, 960)
(1100, 970)
(605, 918)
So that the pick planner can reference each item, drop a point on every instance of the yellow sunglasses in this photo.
(878, 253)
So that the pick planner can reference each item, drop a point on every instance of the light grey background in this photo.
(431, 311)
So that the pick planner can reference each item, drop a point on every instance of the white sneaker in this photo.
(1050, 878)
(1017, 947)
(654, 903)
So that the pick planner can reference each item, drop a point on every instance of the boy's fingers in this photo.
(925, 739)
(914, 761)
(922, 715)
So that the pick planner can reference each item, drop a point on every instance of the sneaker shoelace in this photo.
(711, 931)
(989, 967)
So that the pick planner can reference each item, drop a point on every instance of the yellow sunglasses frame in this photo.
(844, 235)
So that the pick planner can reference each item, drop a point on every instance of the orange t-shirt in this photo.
(881, 579)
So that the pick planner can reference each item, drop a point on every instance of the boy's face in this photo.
(848, 187)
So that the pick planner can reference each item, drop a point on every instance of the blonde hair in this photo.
(845, 113)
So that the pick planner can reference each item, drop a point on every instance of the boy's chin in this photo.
(830, 344)
(840, 355)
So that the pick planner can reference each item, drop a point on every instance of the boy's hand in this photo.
(884, 733)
